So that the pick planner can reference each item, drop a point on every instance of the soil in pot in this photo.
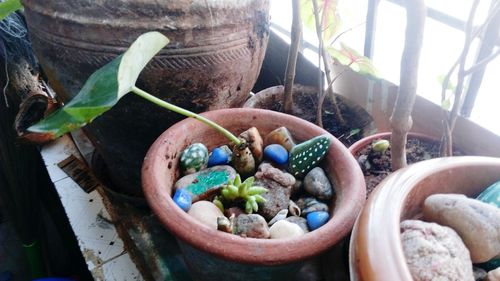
(356, 119)
(376, 163)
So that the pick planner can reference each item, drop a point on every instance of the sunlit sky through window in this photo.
(442, 46)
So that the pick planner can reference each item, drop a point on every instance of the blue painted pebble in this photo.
(316, 219)
(182, 198)
(276, 153)
(219, 156)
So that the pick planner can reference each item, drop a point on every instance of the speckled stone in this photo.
(476, 222)
(206, 212)
(317, 184)
(284, 229)
(307, 155)
(194, 158)
(252, 225)
(434, 252)
(206, 183)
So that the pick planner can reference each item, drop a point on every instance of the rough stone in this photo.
(310, 204)
(253, 225)
(434, 252)
(284, 229)
(206, 183)
(254, 141)
(233, 211)
(206, 212)
(267, 171)
(477, 223)
(277, 198)
(243, 161)
(317, 184)
(280, 136)
(297, 187)
(302, 222)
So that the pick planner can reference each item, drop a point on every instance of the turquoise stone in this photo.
(491, 195)
(205, 183)
(307, 155)
(194, 158)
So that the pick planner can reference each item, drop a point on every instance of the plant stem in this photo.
(187, 113)
(401, 121)
(292, 57)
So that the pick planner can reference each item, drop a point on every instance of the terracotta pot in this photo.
(376, 251)
(216, 255)
(272, 98)
(212, 62)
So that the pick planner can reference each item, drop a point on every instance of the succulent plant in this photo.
(381, 145)
(241, 191)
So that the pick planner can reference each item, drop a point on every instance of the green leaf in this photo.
(256, 190)
(248, 207)
(8, 7)
(357, 62)
(259, 198)
(328, 14)
(249, 181)
(104, 87)
(237, 180)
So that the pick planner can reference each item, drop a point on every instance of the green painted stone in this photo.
(491, 195)
(194, 158)
(307, 155)
(205, 183)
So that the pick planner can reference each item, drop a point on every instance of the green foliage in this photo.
(241, 191)
(381, 145)
(9, 6)
(329, 16)
(357, 62)
(104, 87)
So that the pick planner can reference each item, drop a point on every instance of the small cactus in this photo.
(381, 145)
(241, 191)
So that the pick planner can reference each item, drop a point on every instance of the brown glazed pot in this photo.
(376, 252)
(216, 255)
(213, 60)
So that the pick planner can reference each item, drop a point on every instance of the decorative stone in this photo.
(194, 158)
(307, 155)
(284, 229)
(206, 212)
(310, 204)
(279, 188)
(254, 141)
(183, 199)
(206, 183)
(281, 215)
(493, 275)
(224, 224)
(276, 154)
(476, 222)
(293, 209)
(491, 195)
(218, 156)
(479, 273)
(434, 252)
(317, 219)
(228, 151)
(280, 136)
(243, 161)
(318, 185)
(302, 222)
(252, 225)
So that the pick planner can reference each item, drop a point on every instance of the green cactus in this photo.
(241, 191)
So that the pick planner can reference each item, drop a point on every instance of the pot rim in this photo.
(372, 247)
(356, 147)
(251, 250)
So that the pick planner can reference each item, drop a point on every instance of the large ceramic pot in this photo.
(376, 252)
(216, 255)
(213, 59)
(305, 106)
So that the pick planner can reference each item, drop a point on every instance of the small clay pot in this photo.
(355, 116)
(376, 252)
(356, 147)
(216, 255)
